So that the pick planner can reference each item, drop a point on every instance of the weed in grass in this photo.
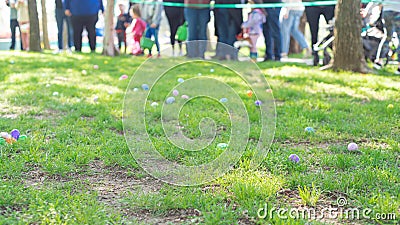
(308, 196)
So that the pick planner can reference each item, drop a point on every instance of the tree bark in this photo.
(34, 32)
(46, 42)
(109, 48)
(347, 47)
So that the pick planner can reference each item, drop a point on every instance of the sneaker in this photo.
(377, 66)
(149, 56)
(397, 71)
(158, 55)
(68, 51)
(57, 51)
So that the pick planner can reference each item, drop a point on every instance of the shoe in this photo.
(377, 66)
(57, 51)
(68, 51)
(284, 55)
(397, 71)
(149, 56)
(158, 55)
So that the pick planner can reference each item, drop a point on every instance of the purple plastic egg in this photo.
(294, 158)
(15, 134)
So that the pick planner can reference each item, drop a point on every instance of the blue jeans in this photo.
(60, 17)
(226, 33)
(13, 26)
(272, 34)
(197, 30)
(290, 26)
(153, 32)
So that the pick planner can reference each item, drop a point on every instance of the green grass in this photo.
(76, 168)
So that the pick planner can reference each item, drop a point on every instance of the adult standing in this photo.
(228, 23)
(176, 18)
(272, 32)
(84, 14)
(23, 20)
(313, 13)
(290, 16)
(197, 17)
(13, 23)
(60, 18)
(151, 13)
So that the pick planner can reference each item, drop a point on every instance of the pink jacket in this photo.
(255, 21)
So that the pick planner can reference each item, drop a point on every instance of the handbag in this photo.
(182, 32)
(145, 42)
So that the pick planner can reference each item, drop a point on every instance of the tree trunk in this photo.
(294, 46)
(109, 48)
(34, 32)
(347, 47)
(46, 42)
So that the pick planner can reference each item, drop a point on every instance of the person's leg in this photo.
(60, 25)
(275, 32)
(155, 33)
(294, 30)
(192, 19)
(70, 31)
(91, 29)
(13, 28)
(120, 38)
(253, 49)
(78, 29)
(286, 25)
(328, 12)
(222, 25)
(267, 37)
(204, 18)
(313, 13)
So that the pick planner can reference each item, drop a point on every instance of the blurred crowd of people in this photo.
(277, 24)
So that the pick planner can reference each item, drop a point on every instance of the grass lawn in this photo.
(75, 167)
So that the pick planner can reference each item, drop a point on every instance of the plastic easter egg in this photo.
(170, 100)
(154, 104)
(145, 87)
(211, 70)
(96, 98)
(223, 100)
(181, 80)
(105, 62)
(352, 146)
(15, 134)
(55, 93)
(96, 67)
(294, 158)
(22, 137)
(199, 74)
(4, 135)
(136, 89)
(11, 140)
(48, 85)
(390, 106)
(222, 145)
(258, 102)
(123, 77)
(2, 141)
(12, 61)
(249, 93)
(175, 92)
(185, 97)
(84, 72)
(309, 130)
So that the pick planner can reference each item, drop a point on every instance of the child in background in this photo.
(23, 19)
(254, 24)
(122, 23)
(138, 27)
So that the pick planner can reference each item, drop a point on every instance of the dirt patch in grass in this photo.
(326, 210)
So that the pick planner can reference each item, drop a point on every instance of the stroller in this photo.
(373, 37)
